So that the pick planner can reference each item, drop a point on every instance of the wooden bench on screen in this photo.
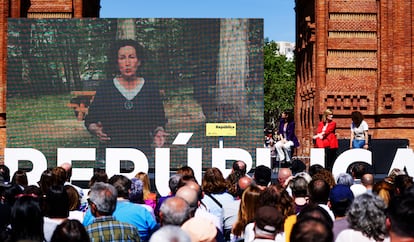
(80, 103)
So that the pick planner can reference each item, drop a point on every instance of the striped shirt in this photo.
(106, 228)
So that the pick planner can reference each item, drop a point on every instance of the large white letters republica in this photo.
(404, 158)
(114, 156)
(348, 157)
(69, 154)
(220, 155)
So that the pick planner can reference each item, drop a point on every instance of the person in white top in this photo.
(359, 131)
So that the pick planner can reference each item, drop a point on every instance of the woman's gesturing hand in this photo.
(97, 130)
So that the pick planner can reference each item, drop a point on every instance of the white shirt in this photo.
(348, 235)
(359, 132)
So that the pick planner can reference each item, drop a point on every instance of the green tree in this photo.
(279, 83)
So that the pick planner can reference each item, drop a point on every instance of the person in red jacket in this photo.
(326, 138)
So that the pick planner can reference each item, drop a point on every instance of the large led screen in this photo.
(134, 83)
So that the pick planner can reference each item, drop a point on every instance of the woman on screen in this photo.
(127, 110)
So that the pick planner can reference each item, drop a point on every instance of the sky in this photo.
(278, 15)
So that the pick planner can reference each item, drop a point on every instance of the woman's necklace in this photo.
(129, 93)
(128, 104)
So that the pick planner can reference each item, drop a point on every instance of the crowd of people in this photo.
(246, 206)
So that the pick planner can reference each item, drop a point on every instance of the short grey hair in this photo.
(345, 179)
(367, 215)
(173, 182)
(170, 233)
(104, 196)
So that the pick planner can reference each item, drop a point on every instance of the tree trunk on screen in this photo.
(126, 29)
(233, 69)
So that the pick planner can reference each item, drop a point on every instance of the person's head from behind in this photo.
(70, 230)
(125, 57)
(402, 183)
(283, 175)
(345, 179)
(45, 181)
(340, 198)
(173, 183)
(319, 191)
(27, 219)
(299, 187)
(239, 166)
(367, 215)
(122, 185)
(400, 217)
(58, 176)
(384, 190)
(248, 204)
(68, 168)
(174, 211)
(185, 171)
(213, 181)
(5, 173)
(325, 175)
(191, 196)
(268, 222)
(145, 181)
(57, 203)
(317, 212)
(311, 230)
(243, 183)
(99, 175)
(313, 169)
(262, 175)
(73, 197)
(276, 196)
(102, 199)
(170, 233)
(358, 169)
(20, 178)
(136, 194)
(368, 180)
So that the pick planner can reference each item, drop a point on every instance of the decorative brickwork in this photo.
(355, 55)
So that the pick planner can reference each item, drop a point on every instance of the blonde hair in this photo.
(325, 114)
(146, 184)
(248, 205)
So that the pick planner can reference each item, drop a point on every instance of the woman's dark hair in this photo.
(213, 181)
(27, 219)
(58, 176)
(316, 212)
(57, 203)
(113, 54)
(122, 185)
(357, 118)
(99, 175)
(20, 178)
(45, 180)
(70, 230)
(5, 173)
(73, 197)
(289, 116)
